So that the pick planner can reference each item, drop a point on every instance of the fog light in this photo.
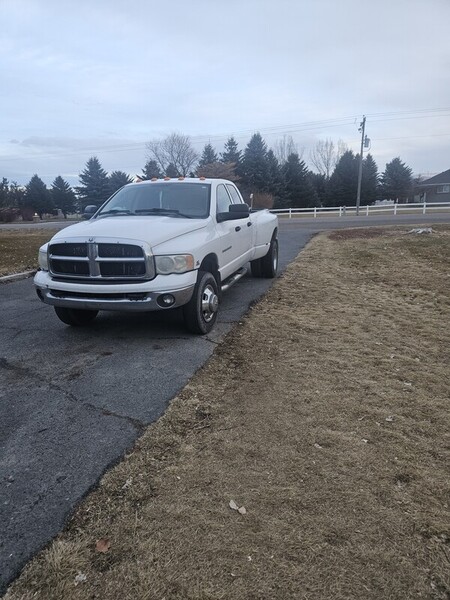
(166, 300)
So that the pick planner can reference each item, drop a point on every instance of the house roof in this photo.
(439, 179)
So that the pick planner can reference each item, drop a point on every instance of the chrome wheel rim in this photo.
(210, 303)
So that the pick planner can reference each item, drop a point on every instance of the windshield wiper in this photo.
(116, 211)
(162, 211)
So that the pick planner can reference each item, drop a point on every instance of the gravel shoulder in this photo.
(323, 414)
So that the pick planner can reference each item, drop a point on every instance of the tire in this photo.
(75, 316)
(269, 262)
(200, 313)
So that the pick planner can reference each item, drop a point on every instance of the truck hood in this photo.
(153, 230)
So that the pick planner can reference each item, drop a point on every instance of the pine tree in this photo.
(4, 193)
(16, 194)
(231, 154)
(369, 182)
(396, 181)
(275, 182)
(151, 170)
(118, 179)
(298, 190)
(94, 188)
(254, 165)
(63, 196)
(172, 171)
(343, 183)
(38, 197)
(320, 184)
(208, 157)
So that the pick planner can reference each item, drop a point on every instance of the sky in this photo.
(83, 78)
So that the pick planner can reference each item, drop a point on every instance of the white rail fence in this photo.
(343, 211)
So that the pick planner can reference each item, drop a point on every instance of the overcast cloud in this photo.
(80, 78)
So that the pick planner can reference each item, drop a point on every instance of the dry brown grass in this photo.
(325, 414)
(19, 249)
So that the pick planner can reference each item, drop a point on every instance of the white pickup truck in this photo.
(158, 245)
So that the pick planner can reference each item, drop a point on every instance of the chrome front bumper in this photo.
(127, 297)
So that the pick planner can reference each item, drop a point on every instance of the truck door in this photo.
(247, 228)
(232, 242)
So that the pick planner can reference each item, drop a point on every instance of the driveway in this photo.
(72, 401)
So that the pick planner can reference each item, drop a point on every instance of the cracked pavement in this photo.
(72, 401)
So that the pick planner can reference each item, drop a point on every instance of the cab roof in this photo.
(194, 180)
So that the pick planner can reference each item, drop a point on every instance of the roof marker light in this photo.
(154, 179)
(202, 178)
(166, 178)
(180, 178)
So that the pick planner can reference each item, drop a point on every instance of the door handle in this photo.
(249, 224)
(237, 228)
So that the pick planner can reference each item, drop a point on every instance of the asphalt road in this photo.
(72, 401)
(37, 225)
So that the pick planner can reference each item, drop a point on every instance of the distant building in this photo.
(384, 202)
(435, 189)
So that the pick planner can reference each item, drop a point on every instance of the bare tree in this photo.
(285, 146)
(176, 150)
(219, 170)
(341, 149)
(325, 155)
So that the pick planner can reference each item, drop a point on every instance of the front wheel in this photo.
(75, 316)
(200, 313)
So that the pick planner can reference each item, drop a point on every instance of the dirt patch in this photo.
(19, 249)
(325, 415)
(358, 233)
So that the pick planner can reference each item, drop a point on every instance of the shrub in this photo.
(262, 200)
(8, 215)
(27, 213)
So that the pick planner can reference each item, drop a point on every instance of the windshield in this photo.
(188, 200)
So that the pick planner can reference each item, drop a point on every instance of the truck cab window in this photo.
(223, 199)
(234, 194)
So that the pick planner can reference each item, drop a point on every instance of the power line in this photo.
(272, 130)
(400, 112)
(409, 137)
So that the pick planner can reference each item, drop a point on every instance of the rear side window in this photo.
(234, 194)
(223, 199)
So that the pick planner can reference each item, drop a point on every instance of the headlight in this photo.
(174, 263)
(43, 258)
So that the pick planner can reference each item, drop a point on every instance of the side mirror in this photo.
(89, 211)
(240, 209)
(235, 211)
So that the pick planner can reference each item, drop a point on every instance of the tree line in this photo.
(275, 177)
(36, 198)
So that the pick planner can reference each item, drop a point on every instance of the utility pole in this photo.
(362, 128)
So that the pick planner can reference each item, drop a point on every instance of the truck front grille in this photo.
(99, 261)
(120, 269)
(69, 249)
(119, 251)
(72, 267)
